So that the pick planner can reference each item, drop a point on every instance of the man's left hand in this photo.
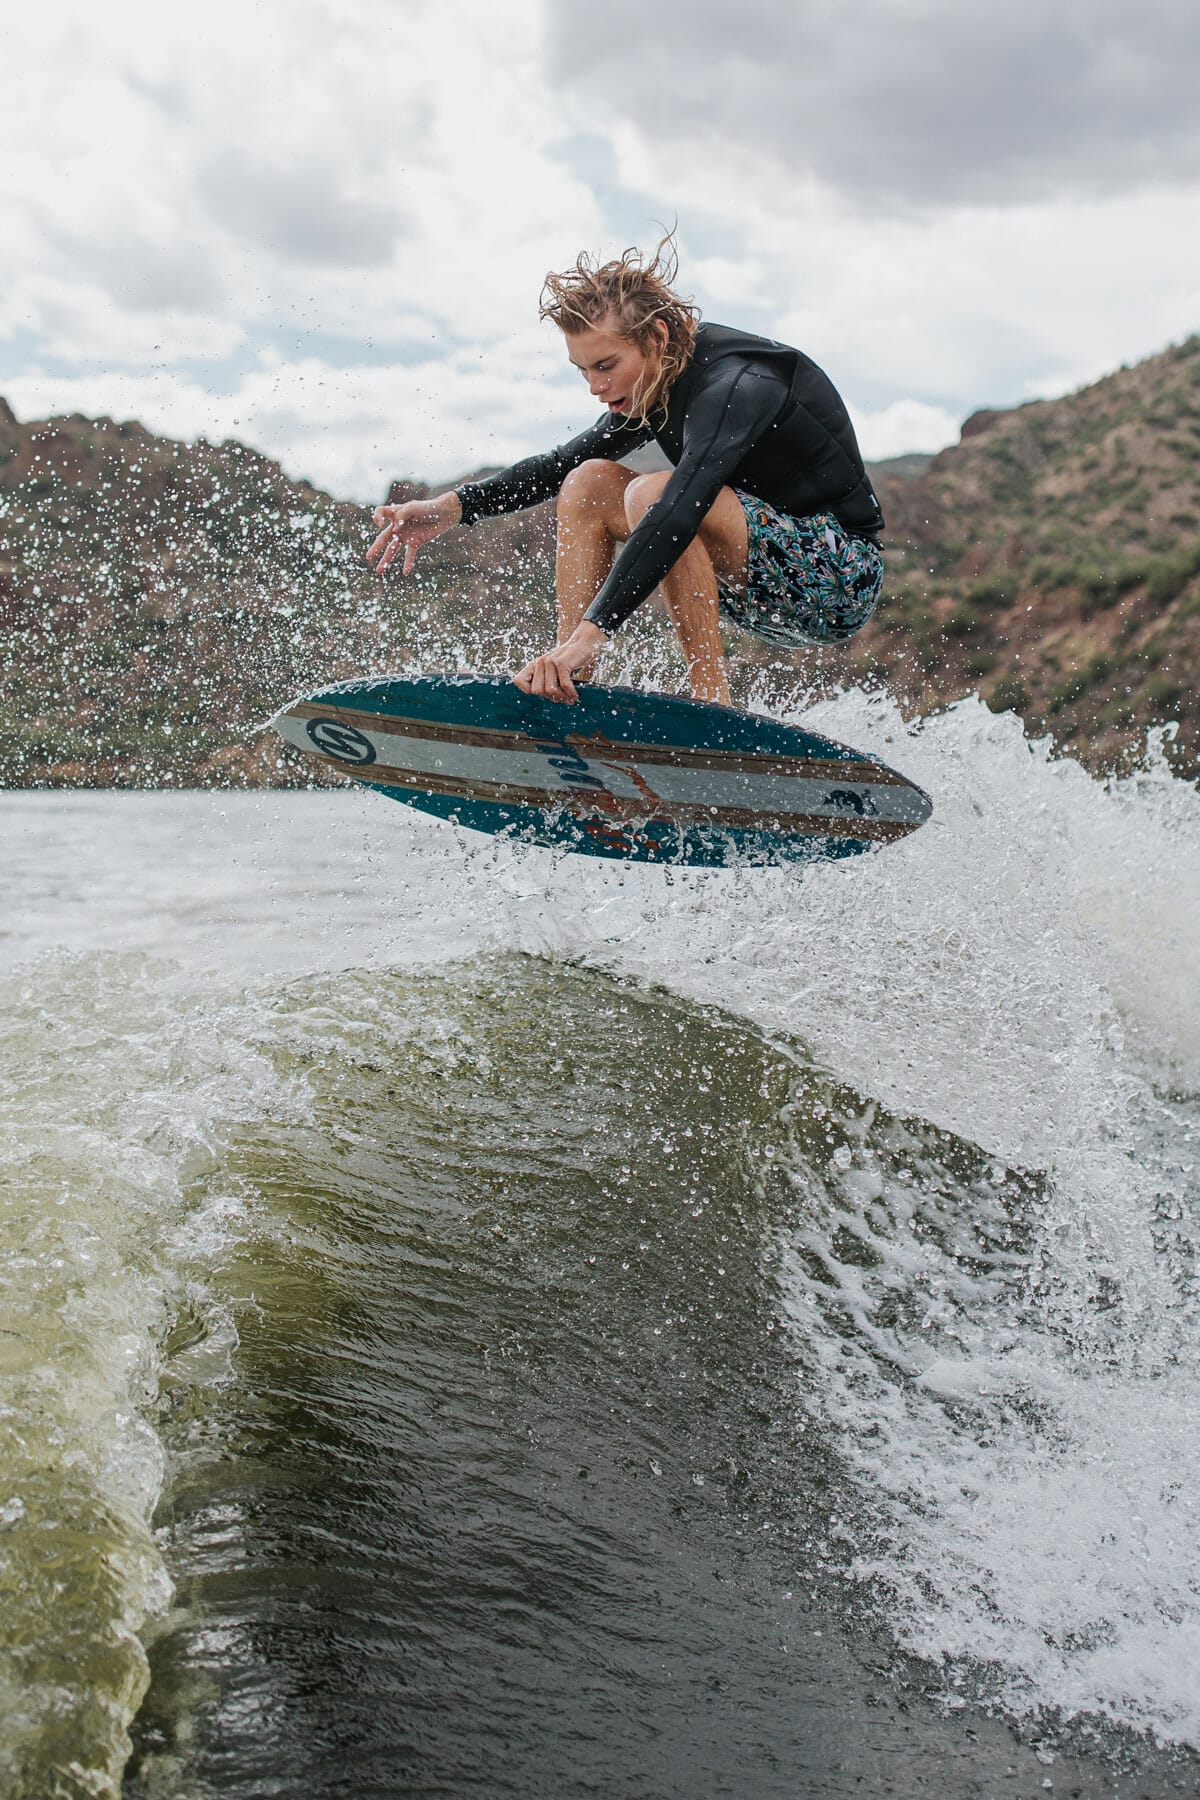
(550, 674)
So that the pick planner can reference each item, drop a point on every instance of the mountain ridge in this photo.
(159, 599)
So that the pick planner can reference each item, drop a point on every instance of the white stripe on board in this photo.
(551, 778)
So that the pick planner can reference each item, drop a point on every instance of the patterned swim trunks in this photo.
(809, 581)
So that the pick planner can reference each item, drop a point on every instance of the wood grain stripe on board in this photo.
(601, 750)
(592, 804)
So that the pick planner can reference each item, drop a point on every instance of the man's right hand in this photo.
(409, 525)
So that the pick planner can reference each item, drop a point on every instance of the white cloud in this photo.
(904, 426)
(325, 230)
(910, 105)
(190, 186)
(349, 430)
(965, 307)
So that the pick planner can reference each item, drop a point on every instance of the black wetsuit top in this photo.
(746, 413)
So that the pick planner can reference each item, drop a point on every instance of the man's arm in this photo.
(539, 477)
(737, 405)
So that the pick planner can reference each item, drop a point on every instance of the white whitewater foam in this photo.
(1025, 973)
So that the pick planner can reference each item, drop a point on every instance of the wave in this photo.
(114, 1090)
(1013, 1400)
(978, 1135)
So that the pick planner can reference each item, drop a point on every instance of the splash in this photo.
(1004, 1364)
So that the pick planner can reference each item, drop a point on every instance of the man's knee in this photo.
(595, 482)
(641, 494)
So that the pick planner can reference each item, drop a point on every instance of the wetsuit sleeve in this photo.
(539, 477)
(737, 404)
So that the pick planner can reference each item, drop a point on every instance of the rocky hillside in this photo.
(158, 600)
(1051, 560)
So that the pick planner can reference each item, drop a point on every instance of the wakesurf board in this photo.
(638, 776)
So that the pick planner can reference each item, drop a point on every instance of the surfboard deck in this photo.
(641, 777)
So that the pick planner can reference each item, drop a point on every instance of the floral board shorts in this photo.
(808, 581)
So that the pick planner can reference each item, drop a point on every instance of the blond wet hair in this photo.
(630, 294)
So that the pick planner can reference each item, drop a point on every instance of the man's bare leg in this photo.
(690, 593)
(591, 523)
(690, 588)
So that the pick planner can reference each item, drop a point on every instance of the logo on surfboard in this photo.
(853, 800)
(342, 742)
(566, 762)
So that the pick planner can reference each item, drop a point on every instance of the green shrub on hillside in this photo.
(1068, 691)
(903, 609)
(1104, 586)
(1169, 575)
(992, 592)
(1163, 693)
(1045, 572)
(1009, 695)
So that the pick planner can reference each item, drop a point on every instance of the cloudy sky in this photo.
(321, 226)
